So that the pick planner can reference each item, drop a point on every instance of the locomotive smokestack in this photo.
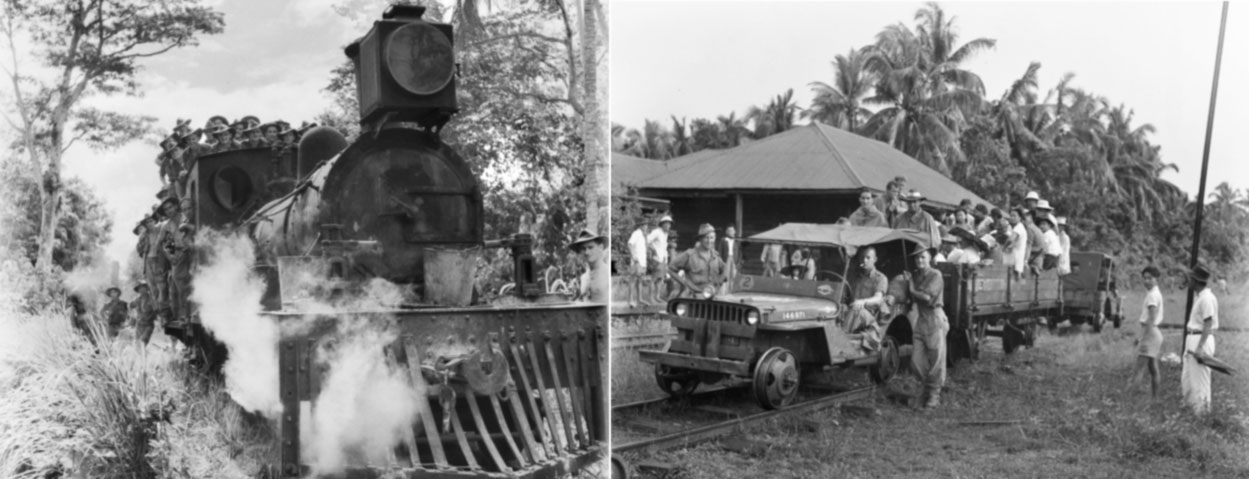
(405, 70)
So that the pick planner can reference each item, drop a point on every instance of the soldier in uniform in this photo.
(114, 311)
(916, 218)
(180, 254)
(157, 263)
(145, 312)
(167, 163)
(594, 282)
(701, 264)
(868, 288)
(925, 288)
(269, 132)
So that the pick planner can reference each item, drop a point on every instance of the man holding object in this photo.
(1199, 340)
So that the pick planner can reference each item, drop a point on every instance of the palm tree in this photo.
(927, 96)
(731, 129)
(1019, 117)
(778, 115)
(651, 142)
(842, 105)
(681, 143)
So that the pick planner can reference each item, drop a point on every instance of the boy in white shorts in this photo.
(1150, 343)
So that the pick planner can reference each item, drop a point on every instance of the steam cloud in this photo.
(366, 403)
(228, 295)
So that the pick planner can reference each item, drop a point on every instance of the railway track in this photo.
(738, 419)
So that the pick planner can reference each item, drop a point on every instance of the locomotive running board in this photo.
(548, 420)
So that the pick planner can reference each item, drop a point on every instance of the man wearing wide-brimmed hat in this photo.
(926, 287)
(917, 219)
(703, 267)
(1199, 330)
(145, 312)
(1030, 200)
(179, 252)
(114, 311)
(949, 244)
(596, 280)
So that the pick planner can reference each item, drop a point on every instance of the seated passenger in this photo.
(867, 293)
(949, 243)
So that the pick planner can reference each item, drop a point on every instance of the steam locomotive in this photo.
(515, 388)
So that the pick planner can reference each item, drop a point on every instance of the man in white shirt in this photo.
(1199, 340)
(657, 243)
(1064, 259)
(1150, 343)
(637, 264)
(1053, 247)
(1018, 245)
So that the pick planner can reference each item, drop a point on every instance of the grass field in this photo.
(1062, 409)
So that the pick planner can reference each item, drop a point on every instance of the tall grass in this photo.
(113, 409)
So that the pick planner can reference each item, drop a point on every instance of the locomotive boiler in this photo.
(514, 388)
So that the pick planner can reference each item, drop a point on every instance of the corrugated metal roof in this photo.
(813, 157)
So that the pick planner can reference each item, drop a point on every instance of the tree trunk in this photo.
(593, 124)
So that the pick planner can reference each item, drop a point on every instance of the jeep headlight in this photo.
(752, 318)
(681, 309)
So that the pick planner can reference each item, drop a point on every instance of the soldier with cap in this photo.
(594, 282)
(157, 262)
(703, 267)
(180, 253)
(917, 219)
(926, 288)
(168, 162)
(145, 312)
(114, 311)
(1199, 330)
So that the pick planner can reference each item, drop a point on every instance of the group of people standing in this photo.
(1027, 237)
(184, 146)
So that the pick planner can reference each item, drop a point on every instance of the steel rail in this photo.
(703, 433)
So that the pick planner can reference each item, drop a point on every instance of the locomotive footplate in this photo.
(508, 392)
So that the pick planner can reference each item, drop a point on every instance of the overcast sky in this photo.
(703, 59)
(272, 61)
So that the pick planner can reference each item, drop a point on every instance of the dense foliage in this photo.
(1075, 147)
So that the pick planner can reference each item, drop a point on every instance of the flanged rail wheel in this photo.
(619, 468)
(675, 382)
(776, 379)
(888, 361)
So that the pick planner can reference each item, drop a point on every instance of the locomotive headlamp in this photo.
(752, 318)
(681, 309)
(405, 70)
(419, 58)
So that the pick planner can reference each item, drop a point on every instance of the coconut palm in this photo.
(681, 143)
(778, 115)
(842, 105)
(731, 129)
(1018, 115)
(652, 141)
(927, 96)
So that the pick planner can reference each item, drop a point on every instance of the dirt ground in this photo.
(1062, 409)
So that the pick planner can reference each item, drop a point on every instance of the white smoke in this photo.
(228, 293)
(366, 402)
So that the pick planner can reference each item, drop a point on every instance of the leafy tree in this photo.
(91, 47)
(83, 228)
